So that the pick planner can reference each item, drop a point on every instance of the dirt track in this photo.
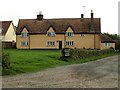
(97, 74)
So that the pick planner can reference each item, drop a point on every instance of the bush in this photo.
(5, 60)
(76, 54)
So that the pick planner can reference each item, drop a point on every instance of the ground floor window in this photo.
(24, 43)
(69, 43)
(107, 44)
(51, 43)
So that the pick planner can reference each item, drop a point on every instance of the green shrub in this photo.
(76, 54)
(5, 60)
(8, 72)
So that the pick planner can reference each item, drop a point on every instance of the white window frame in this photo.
(24, 43)
(107, 44)
(50, 43)
(82, 35)
(69, 43)
(24, 34)
(50, 33)
(69, 34)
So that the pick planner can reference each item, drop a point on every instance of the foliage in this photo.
(76, 54)
(26, 61)
(5, 60)
(113, 36)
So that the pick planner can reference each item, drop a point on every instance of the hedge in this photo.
(5, 60)
(76, 54)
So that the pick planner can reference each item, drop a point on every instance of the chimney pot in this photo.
(91, 14)
(40, 16)
(91, 11)
(92, 22)
(82, 17)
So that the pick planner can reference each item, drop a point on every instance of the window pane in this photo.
(72, 42)
(53, 43)
(69, 34)
(24, 34)
(69, 43)
(50, 43)
(24, 43)
(106, 44)
(51, 33)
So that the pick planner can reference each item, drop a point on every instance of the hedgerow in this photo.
(76, 54)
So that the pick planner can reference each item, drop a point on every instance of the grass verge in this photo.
(26, 61)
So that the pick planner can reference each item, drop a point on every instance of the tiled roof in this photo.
(59, 25)
(5, 25)
(106, 39)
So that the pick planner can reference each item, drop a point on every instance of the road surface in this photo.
(102, 73)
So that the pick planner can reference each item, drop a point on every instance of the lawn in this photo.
(26, 61)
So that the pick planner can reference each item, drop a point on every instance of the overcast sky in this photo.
(107, 10)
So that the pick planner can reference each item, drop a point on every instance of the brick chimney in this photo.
(40, 16)
(91, 14)
(91, 22)
(82, 17)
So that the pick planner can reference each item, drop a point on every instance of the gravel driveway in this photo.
(97, 74)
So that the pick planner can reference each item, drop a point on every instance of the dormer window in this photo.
(51, 33)
(69, 34)
(24, 34)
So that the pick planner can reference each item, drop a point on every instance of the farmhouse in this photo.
(7, 30)
(107, 42)
(59, 33)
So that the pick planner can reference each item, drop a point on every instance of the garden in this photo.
(15, 61)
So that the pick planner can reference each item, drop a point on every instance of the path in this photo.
(97, 74)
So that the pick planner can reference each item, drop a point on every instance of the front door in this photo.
(60, 44)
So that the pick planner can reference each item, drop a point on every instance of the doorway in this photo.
(60, 44)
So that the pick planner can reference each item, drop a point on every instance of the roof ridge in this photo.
(59, 24)
(57, 18)
(7, 21)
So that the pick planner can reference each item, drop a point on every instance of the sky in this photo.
(107, 10)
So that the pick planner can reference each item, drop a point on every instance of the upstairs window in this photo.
(24, 34)
(51, 33)
(69, 34)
